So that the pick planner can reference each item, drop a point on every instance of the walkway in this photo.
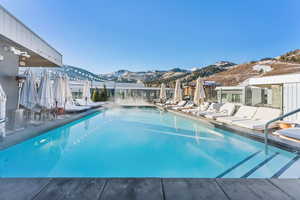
(148, 189)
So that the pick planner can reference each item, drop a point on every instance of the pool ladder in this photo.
(266, 131)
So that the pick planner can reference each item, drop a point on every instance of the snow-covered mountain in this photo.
(141, 76)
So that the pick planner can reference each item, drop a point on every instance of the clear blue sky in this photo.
(103, 36)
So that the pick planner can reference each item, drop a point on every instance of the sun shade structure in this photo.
(163, 93)
(199, 95)
(45, 92)
(29, 96)
(59, 91)
(2, 104)
(177, 92)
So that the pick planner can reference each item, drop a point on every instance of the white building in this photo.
(246, 95)
(19, 46)
(284, 92)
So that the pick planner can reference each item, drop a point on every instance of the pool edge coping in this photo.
(34, 131)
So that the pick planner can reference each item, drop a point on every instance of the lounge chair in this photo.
(200, 108)
(70, 108)
(293, 133)
(260, 118)
(180, 104)
(213, 108)
(168, 102)
(81, 102)
(225, 110)
(188, 105)
(243, 113)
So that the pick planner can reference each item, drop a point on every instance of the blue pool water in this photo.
(140, 142)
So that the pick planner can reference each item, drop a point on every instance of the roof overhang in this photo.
(273, 80)
(13, 33)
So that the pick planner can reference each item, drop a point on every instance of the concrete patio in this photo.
(148, 189)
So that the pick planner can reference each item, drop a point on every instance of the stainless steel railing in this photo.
(266, 131)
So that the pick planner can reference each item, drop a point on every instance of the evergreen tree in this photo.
(94, 95)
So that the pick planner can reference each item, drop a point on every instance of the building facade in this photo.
(20, 47)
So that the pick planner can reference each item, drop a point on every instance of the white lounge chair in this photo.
(81, 102)
(188, 105)
(70, 108)
(180, 104)
(213, 108)
(243, 113)
(225, 110)
(260, 118)
(200, 108)
(289, 132)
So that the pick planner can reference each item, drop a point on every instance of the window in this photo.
(236, 98)
(224, 97)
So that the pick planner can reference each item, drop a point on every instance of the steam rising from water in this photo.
(131, 101)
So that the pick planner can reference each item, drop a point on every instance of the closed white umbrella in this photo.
(86, 92)
(45, 93)
(2, 104)
(162, 94)
(29, 96)
(199, 92)
(59, 92)
(177, 92)
(68, 93)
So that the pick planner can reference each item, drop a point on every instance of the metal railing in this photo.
(266, 131)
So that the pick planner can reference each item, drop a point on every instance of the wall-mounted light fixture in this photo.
(15, 51)
(1, 58)
(25, 54)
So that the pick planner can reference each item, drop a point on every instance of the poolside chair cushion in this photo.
(253, 124)
(181, 103)
(266, 114)
(213, 108)
(243, 113)
(225, 110)
(80, 102)
(74, 108)
(215, 115)
(168, 102)
(204, 106)
(260, 118)
(246, 112)
(231, 119)
(189, 104)
(290, 132)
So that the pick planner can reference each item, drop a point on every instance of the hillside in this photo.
(170, 77)
(229, 74)
(223, 72)
(144, 76)
(285, 64)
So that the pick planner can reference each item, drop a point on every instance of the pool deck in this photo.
(149, 189)
(274, 140)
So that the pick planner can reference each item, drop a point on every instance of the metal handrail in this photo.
(266, 131)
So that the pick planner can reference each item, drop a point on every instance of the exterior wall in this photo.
(291, 100)
(8, 72)
(16, 31)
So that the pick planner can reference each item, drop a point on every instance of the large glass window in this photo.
(236, 98)
(266, 96)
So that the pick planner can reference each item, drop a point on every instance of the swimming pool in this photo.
(144, 142)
